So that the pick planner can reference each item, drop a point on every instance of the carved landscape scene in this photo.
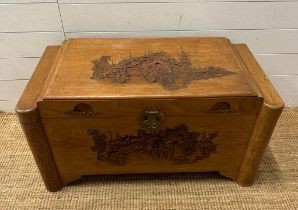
(177, 144)
(157, 67)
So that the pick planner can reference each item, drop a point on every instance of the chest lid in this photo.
(148, 68)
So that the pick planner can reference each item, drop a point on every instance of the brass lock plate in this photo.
(152, 119)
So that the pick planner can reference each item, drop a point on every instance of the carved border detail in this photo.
(157, 67)
(177, 144)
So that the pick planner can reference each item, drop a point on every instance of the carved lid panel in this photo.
(148, 68)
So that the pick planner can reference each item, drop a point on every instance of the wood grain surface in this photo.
(242, 109)
(32, 126)
(72, 146)
(267, 119)
(75, 73)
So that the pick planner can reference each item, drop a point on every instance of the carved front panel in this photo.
(177, 144)
(149, 136)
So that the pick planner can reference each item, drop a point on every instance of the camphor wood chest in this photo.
(115, 106)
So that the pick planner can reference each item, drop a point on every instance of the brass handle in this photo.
(152, 119)
(221, 107)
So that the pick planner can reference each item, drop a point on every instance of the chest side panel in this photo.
(109, 136)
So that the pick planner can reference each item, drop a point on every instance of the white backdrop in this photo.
(270, 28)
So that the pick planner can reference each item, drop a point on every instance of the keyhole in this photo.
(157, 118)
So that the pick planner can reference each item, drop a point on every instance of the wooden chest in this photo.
(114, 106)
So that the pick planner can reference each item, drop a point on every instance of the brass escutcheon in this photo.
(152, 119)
